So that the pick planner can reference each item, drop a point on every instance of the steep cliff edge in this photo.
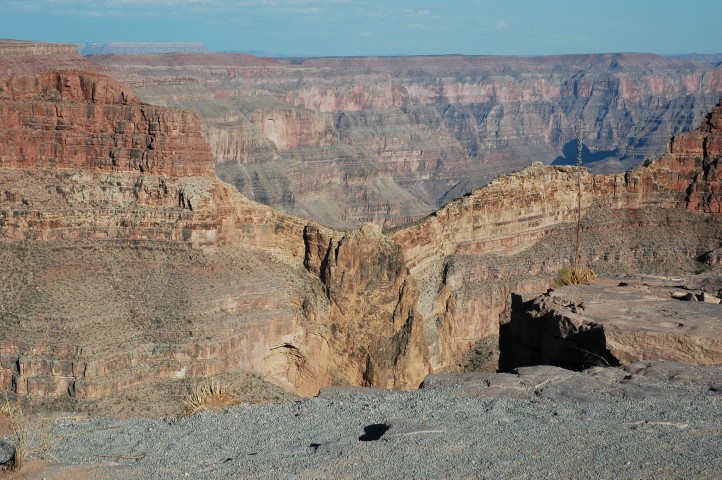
(373, 325)
(515, 233)
(610, 323)
(127, 263)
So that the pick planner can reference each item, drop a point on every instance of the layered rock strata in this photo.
(388, 140)
(151, 269)
(127, 262)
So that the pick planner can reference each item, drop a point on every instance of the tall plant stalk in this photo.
(579, 193)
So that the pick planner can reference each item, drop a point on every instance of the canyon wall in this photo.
(513, 234)
(344, 141)
(128, 262)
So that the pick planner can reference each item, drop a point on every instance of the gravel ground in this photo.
(428, 433)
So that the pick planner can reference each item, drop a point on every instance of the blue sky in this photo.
(375, 27)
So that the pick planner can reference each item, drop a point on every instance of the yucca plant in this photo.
(578, 276)
(208, 395)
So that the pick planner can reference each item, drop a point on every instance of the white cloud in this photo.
(417, 26)
(502, 25)
(416, 13)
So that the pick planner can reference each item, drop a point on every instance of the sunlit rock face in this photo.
(126, 261)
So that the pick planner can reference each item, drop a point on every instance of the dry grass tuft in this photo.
(209, 395)
(8, 408)
(579, 276)
(32, 437)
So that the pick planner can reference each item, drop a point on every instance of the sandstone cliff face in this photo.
(373, 327)
(396, 138)
(95, 123)
(513, 234)
(110, 214)
(196, 280)
(33, 57)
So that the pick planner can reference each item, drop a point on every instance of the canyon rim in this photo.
(129, 264)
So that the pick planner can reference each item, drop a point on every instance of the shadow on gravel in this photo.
(373, 432)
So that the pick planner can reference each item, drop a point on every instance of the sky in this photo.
(376, 27)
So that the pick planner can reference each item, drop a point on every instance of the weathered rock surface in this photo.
(198, 281)
(80, 119)
(612, 323)
(634, 381)
(373, 323)
(110, 214)
(34, 57)
(515, 233)
(7, 455)
(388, 140)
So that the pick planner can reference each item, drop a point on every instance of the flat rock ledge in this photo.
(616, 322)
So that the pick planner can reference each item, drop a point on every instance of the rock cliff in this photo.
(345, 141)
(127, 262)
(612, 323)
(516, 232)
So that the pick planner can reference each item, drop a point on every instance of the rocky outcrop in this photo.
(35, 57)
(515, 233)
(110, 213)
(613, 323)
(393, 139)
(373, 329)
(549, 384)
(80, 119)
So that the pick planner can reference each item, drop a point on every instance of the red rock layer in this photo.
(345, 141)
(81, 119)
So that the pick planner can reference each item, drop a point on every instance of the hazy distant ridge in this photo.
(95, 48)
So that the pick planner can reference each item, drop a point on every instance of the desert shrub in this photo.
(569, 276)
(209, 395)
(32, 437)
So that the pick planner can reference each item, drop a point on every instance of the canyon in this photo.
(343, 141)
(130, 266)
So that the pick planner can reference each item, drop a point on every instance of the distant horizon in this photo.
(391, 55)
(363, 28)
(282, 54)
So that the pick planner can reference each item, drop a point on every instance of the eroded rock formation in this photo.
(345, 141)
(515, 233)
(128, 262)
